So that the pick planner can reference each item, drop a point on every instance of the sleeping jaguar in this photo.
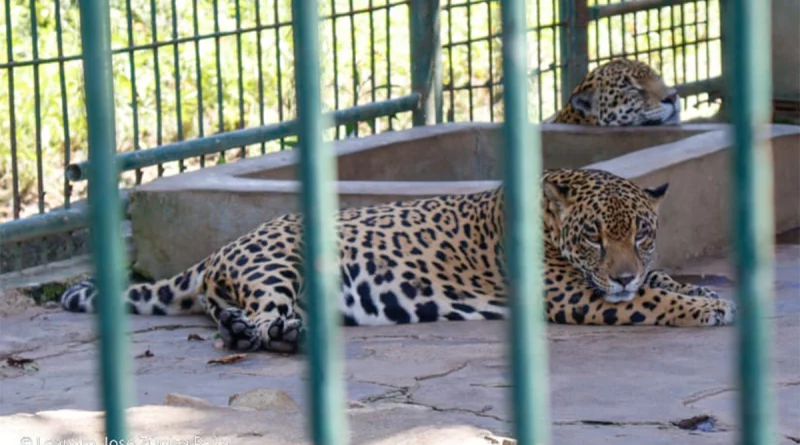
(621, 93)
(436, 259)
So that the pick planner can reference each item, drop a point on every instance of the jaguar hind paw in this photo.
(720, 313)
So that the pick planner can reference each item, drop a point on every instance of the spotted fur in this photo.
(621, 93)
(438, 259)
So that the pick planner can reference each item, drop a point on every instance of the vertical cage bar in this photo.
(104, 215)
(62, 80)
(574, 45)
(389, 58)
(177, 64)
(353, 63)
(335, 54)
(747, 54)
(259, 54)
(492, 82)
(220, 85)
(523, 164)
(12, 117)
(426, 64)
(471, 87)
(37, 103)
(199, 75)
(157, 79)
(372, 73)
(240, 72)
(278, 66)
(451, 112)
(318, 203)
(134, 94)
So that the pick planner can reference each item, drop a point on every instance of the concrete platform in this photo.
(442, 383)
(179, 220)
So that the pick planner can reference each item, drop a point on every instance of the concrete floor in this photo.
(427, 384)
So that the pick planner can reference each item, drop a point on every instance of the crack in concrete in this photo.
(705, 394)
(443, 373)
(399, 395)
(595, 422)
(385, 337)
(701, 395)
(622, 424)
(481, 413)
(405, 395)
(70, 347)
(492, 385)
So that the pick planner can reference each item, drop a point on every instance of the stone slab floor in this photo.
(427, 384)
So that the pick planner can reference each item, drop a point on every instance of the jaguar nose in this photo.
(623, 280)
(671, 98)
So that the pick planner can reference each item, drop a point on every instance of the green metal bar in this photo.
(259, 53)
(220, 85)
(524, 244)
(62, 79)
(712, 85)
(176, 61)
(199, 76)
(470, 94)
(108, 253)
(451, 113)
(372, 73)
(353, 60)
(37, 102)
(749, 72)
(237, 138)
(574, 45)
(55, 221)
(537, 65)
(276, 9)
(335, 54)
(389, 61)
(157, 78)
(603, 11)
(12, 117)
(491, 61)
(240, 71)
(426, 63)
(319, 201)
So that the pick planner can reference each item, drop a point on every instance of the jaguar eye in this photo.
(642, 235)
(593, 238)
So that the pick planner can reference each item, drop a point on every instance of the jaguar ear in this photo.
(657, 194)
(582, 100)
(558, 195)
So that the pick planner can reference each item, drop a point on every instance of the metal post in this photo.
(318, 202)
(104, 215)
(426, 61)
(524, 244)
(574, 45)
(749, 69)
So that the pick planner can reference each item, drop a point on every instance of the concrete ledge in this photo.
(178, 220)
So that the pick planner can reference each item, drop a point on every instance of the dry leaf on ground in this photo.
(228, 359)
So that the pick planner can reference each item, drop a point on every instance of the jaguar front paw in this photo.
(238, 332)
(702, 291)
(285, 335)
